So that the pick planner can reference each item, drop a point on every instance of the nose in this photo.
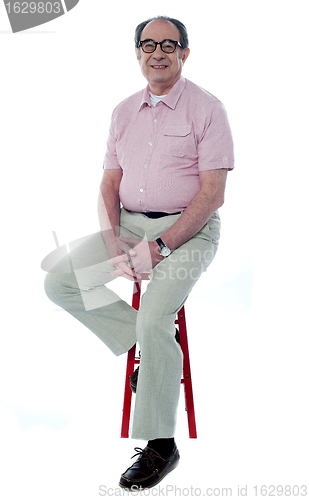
(158, 53)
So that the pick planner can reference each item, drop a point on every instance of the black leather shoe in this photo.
(149, 469)
(133, 380)
(134, 376)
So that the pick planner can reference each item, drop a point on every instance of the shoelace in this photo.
(146, 457)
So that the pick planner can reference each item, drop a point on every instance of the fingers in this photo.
(119, 259)
(130, 277)
(132, 262)
(123, 267)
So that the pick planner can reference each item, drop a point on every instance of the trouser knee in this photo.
(51, 286)
(154, 330)
(55, 289)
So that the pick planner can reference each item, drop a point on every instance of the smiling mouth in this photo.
(158, 66)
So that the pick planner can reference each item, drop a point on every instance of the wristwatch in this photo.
(164, 250)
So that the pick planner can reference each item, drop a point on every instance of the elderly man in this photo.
(168, 153)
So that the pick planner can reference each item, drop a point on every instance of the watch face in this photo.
(165, 251)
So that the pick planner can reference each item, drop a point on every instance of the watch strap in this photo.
(164, 250)
(160, 243)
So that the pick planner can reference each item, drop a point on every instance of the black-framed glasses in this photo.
(168, 46)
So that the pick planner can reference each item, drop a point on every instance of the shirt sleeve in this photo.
(110, 159)
(215, 148)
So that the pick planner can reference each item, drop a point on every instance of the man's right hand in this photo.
(115, 247)
(125, 268)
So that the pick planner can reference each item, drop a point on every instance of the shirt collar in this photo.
(171, 98)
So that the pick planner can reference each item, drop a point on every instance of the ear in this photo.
(185, 55)
(138, 53)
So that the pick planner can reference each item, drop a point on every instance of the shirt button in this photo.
(225, 158)
(145, 166)
(155, 121)
(141, 190)
(150, 144)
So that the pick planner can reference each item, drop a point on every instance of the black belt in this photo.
(154, 215)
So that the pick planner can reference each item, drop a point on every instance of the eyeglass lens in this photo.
(150, 46)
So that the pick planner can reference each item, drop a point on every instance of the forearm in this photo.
(199, 211)
(109, 218)
(109, 215)
(108, 209)
(191, 221)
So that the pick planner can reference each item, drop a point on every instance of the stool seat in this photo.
(132, 360)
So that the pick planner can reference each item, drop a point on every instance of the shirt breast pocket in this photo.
(176, 140)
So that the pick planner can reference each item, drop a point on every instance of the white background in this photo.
(61, 389)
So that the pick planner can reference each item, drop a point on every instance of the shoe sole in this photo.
(139, 488)
(133, 388)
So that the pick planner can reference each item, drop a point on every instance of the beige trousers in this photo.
(77, 283)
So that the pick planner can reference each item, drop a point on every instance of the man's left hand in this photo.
(144, 256)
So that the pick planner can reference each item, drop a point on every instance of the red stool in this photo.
(186, 380)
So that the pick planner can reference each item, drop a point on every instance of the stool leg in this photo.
(187, 380)
(126, 411)
(127, 394)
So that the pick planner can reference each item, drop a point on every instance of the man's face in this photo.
(160, 69)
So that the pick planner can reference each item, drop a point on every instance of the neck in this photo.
(162, 88)
(159, 89)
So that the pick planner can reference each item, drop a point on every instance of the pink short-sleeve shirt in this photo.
(162, 149)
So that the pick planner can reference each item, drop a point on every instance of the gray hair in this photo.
(181, 28)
